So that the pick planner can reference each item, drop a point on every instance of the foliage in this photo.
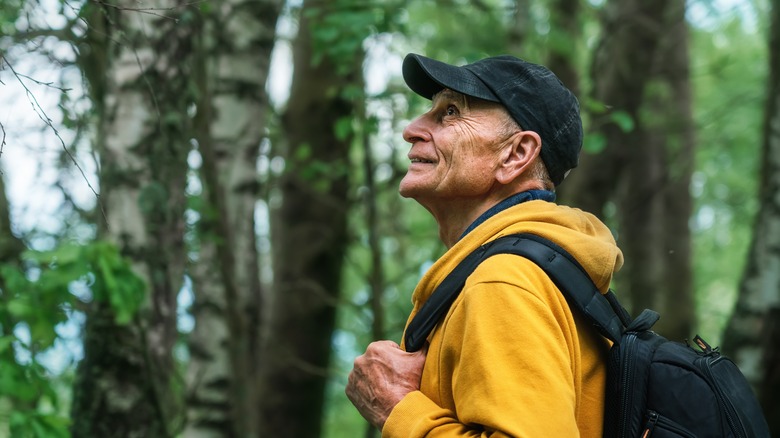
(728, 59)
(465, 32)
(729, 71)
(9, 13)
(38, 299)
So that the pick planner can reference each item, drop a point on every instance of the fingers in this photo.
(381, 377)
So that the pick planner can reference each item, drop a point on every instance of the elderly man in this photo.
(510, 358)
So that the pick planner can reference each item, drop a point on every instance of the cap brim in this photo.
(426, 77)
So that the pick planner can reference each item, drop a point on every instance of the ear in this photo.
(517, 157)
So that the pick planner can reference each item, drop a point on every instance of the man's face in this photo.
(456, 148)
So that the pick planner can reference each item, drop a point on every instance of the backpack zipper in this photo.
(626, 377)
(654, 419)
(705, 364)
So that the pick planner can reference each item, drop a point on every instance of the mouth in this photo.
(421, 160)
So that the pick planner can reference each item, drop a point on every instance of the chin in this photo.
(416, 186)
(405, 191)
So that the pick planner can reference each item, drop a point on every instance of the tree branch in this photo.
(150, 11)
(41, 113)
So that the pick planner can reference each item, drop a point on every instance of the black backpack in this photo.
(655, 387)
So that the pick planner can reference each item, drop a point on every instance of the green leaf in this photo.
(42, 329)
(15, 281)
(50, 426)
(20, 308)
(303, 152)
(67, 254)
(6, 343)
(16, 382)
(594, 143)
(594, 106)
(121, 287)
(343, 128)
(624, 121)
(106, 273)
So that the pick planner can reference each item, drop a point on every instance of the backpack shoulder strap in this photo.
(603, 311)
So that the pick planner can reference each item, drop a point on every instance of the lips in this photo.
(421, 160)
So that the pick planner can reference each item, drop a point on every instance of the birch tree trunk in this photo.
(234, 59)
(751, 337)
(126, 383)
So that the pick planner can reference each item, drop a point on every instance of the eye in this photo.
(451, 110)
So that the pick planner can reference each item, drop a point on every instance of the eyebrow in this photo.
(450, 94)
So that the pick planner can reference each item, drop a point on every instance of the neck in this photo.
(455, 215)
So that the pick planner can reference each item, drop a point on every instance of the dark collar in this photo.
(517, 198)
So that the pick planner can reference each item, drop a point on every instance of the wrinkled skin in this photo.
(381, 377)
(465, 158)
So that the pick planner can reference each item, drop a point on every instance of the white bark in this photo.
(124, 384)
(226, 274)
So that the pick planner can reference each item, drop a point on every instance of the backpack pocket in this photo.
(658, 426)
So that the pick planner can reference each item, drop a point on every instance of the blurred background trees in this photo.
(199, 220)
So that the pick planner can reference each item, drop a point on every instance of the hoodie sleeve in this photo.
(506, 364)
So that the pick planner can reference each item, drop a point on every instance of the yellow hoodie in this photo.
(510, 359)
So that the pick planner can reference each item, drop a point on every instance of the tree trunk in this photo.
(235, 51)
(310, 224)
(677, 140)
(631, 30)
(752, 332)
(519, 27)
(655, 202)
(10, 246)
(565, 32)
(770, 387)
(643, 171)
(11, 249)
(125, 383)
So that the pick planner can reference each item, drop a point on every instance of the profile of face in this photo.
(456, 149)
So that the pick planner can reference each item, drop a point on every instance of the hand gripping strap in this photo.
(606, 315)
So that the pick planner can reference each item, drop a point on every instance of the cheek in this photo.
(477, 173)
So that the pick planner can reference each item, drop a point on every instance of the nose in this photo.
(417, 130)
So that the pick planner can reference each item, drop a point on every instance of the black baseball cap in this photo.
(535, 98)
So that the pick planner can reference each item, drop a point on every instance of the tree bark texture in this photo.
(126, 383)
(565, 33)
(376, 275)
(11, 248)
(678, 143)
(641, 76)
(752, 333)
(620, 69)
(519, 28)
(309, 227)
(654, 203)
(234, 52)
